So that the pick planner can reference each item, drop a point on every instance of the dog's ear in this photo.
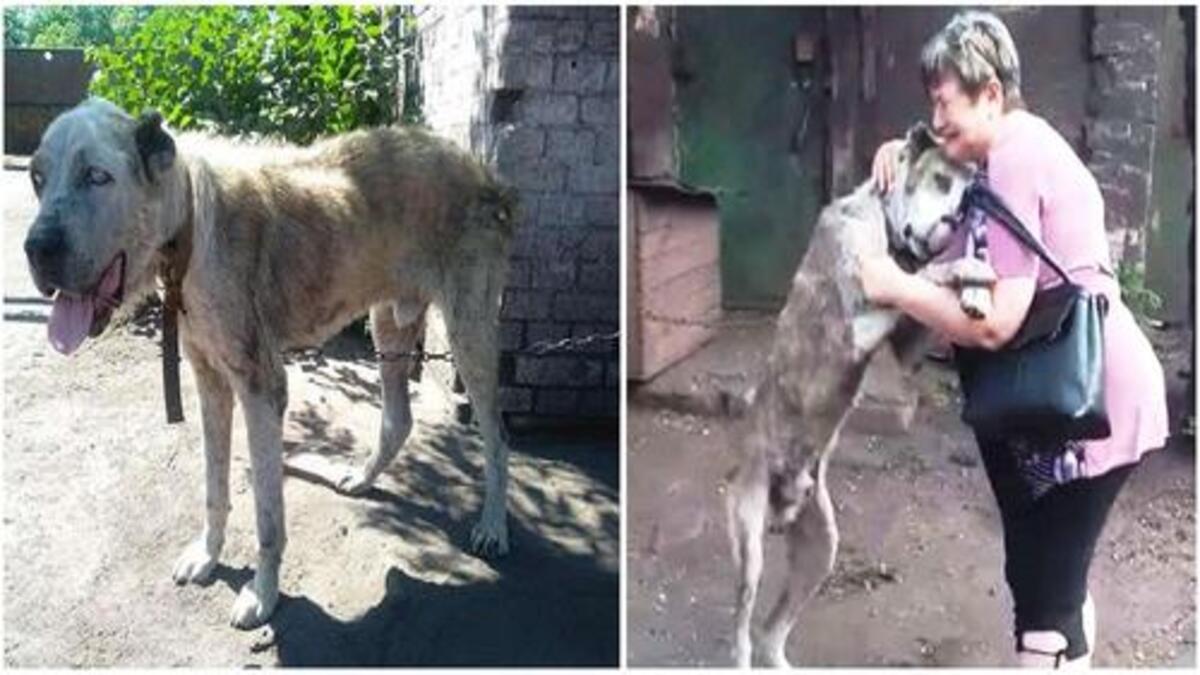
(155, 146)
(920, 139)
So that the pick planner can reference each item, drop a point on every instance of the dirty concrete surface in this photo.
(101, 495)
(919, 578)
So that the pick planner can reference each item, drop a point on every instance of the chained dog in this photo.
(824, 338)
(276, 247)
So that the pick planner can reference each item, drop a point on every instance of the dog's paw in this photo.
(354, 483)
(972, 272)
(195, 564)
(489, 539)
(250, 610)
(772, 656)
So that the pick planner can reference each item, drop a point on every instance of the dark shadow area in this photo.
(10, 300)
(319, 435)
(29, 316)
(555, 600)
(507, 623)
(349, 383)
(233, 579)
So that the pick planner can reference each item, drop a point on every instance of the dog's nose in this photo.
(45, 246)
(908, 231)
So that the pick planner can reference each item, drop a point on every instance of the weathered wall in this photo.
(534, 91)
(38, 85)
(750, 127)
(1095, 73)
(1126, 44)
(1052, 42)
(1172, 179)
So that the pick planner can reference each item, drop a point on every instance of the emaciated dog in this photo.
(278, 247)
(824, 337)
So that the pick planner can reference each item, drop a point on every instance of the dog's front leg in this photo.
(264, 407)
(870, 328)
(216, 412)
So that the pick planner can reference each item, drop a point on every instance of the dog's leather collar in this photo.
(175, 256)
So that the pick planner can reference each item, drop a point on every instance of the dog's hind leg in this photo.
(471, 307)
(812, 546)
(746, 505)
(391, 337)
(216, 413)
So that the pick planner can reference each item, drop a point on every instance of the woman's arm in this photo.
(938, 307)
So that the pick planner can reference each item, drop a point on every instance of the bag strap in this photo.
(980, 195)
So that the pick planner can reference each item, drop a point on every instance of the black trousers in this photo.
(1049, 542)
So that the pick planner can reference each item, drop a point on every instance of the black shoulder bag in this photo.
(1048, 381)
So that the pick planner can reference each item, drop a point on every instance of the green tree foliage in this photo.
(52, 26)
(298, 72)
(1142, 300)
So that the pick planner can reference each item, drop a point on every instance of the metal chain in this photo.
(568, 344)
(719, 322)
(417, 355)
(541, 348)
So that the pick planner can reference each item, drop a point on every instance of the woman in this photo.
(1051, 522)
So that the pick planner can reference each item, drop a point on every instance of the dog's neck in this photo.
(873, 205)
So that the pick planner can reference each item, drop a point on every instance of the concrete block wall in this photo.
(535, 92)
(1126, 43)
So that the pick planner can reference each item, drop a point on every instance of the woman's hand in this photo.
(881, 279)
(883, 168)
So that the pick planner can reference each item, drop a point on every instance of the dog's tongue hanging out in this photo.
(72, 315)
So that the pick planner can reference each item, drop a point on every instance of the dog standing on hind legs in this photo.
(276, 247)
(824, 338)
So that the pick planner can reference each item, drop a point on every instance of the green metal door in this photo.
(751, 127)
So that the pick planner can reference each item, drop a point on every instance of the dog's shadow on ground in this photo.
(552, 601)
(525, 618)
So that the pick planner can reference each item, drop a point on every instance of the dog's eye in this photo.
(942, 181)
(38, 181)
(96, 176)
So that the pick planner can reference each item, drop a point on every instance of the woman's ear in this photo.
(993, 92)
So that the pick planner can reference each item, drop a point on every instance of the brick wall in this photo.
(534, 91)
(1120, 130)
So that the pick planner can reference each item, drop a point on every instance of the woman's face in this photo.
(965, 126)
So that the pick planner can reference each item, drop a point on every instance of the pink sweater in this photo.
(1045, 184)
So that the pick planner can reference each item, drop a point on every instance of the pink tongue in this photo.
(70, 320)
(71, 316)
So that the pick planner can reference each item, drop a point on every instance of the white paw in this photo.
(251, 611)
(354, 483)
(195, 564)
(774, 658)
(490, 537)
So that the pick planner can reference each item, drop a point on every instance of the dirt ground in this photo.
(101, 495)
(919, 578)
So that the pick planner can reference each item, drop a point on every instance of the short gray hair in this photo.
(976, 47)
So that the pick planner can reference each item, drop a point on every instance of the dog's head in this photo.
(99, 175)
(925, 197)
